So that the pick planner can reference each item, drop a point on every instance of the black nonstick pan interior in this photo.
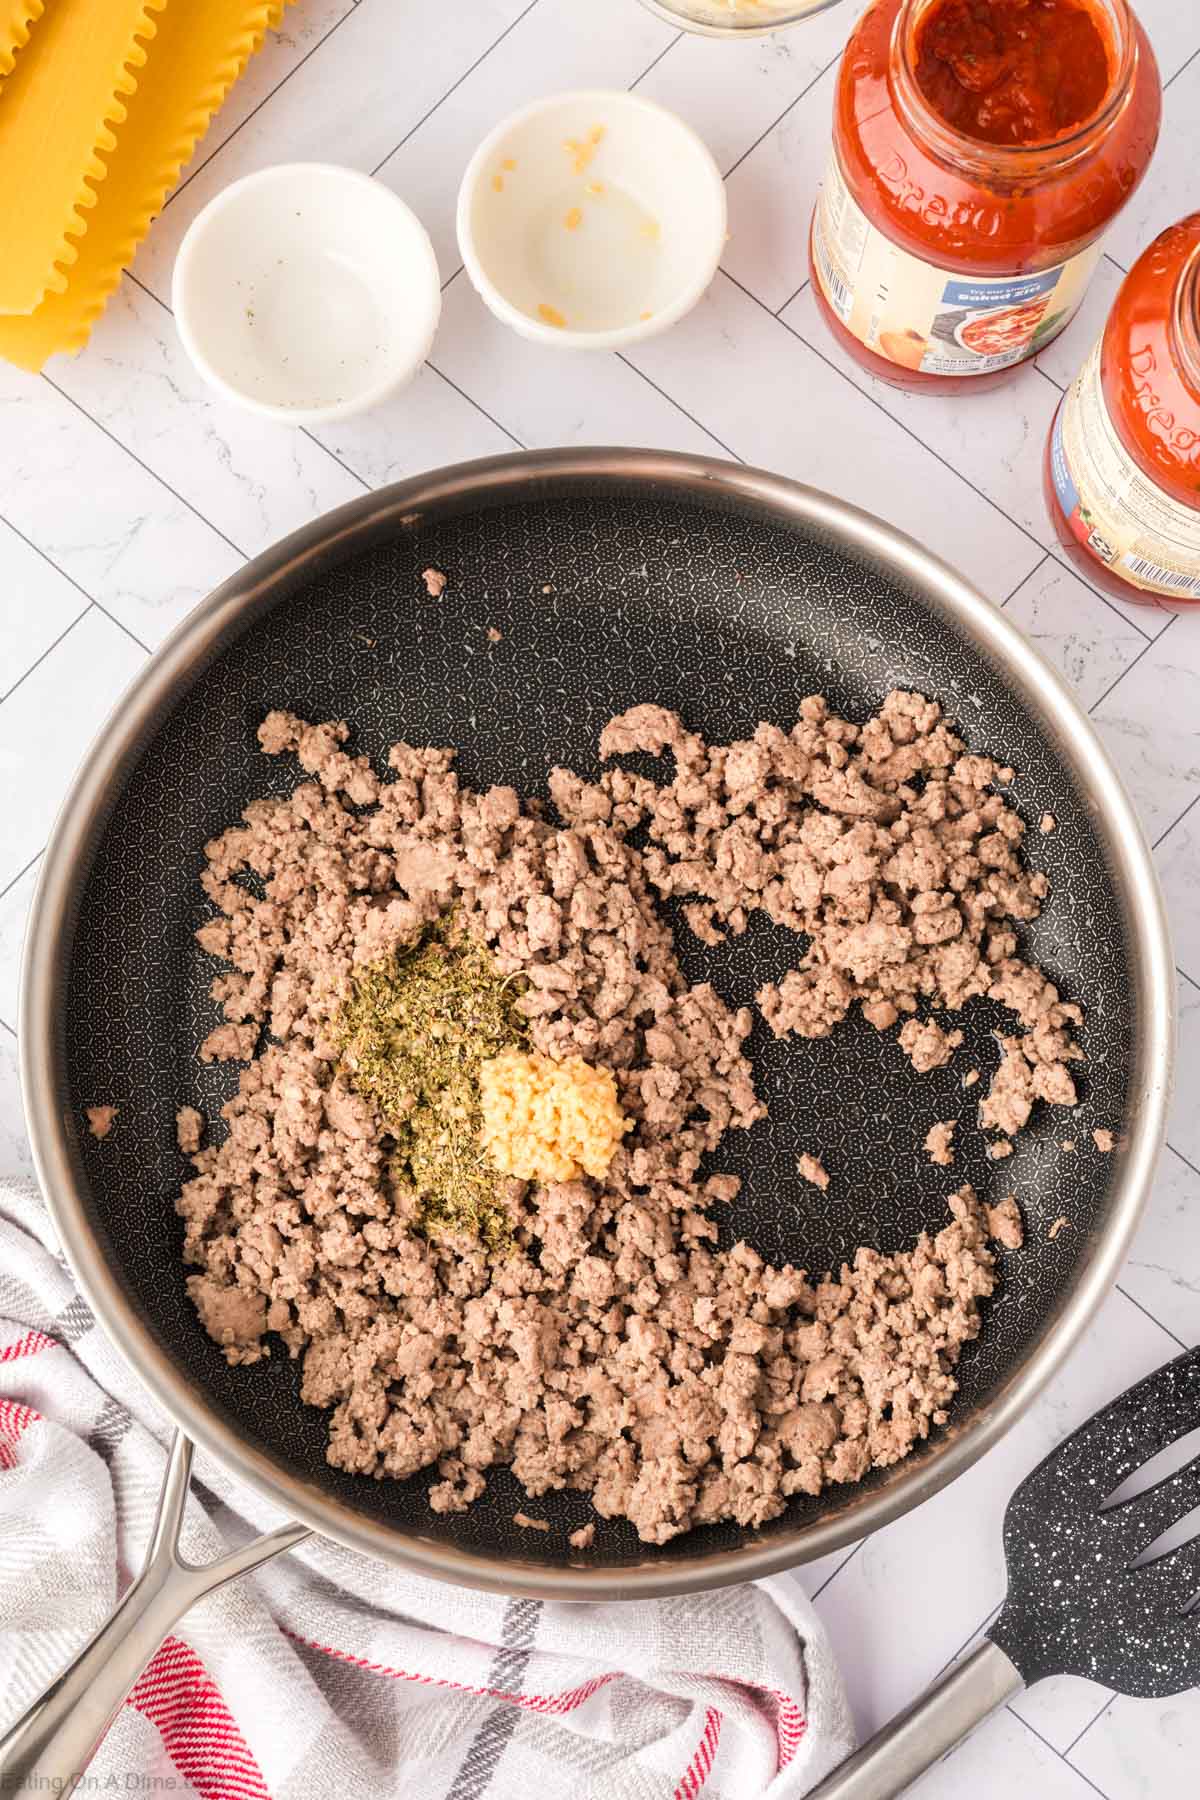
(602, 599)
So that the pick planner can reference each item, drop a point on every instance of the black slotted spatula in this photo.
(1079, 1600)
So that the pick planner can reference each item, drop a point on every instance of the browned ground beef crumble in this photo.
(616, 1350)
(100, 1119)
(939, 1141)
(813, 1170)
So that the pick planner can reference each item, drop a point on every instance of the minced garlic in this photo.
(549, 1121)
(582, 153)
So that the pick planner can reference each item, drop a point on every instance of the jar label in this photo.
(924, 317)
(1116, 512)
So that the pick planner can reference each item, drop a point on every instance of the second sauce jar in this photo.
(981, 150)
(1123, 464)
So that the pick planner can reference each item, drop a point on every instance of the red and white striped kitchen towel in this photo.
(328, 1674)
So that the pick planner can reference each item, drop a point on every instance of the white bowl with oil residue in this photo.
(591, 220)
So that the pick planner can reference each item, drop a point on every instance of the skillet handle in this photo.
(889, 1763)
(49, 1749)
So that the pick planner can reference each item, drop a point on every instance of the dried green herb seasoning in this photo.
(413, 1032)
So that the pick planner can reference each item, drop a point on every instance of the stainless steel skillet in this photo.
(613, 576)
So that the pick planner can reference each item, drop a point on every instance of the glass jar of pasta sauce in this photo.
(981, 149)
(1123, 462)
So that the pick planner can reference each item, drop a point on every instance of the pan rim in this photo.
(257, 586)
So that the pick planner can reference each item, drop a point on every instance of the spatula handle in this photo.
(900, 1754)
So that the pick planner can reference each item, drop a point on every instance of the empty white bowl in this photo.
(591, 220)
(306, 292)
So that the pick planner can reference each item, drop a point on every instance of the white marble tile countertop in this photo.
(127, 491)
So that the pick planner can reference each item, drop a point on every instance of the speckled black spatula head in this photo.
(1077, 1605)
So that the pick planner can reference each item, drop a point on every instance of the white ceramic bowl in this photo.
(591, 220)
(306, 292)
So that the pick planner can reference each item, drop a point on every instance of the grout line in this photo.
(783, 115)
(655, 63)
(1070, 569)
(1036, 571)
(1033, 1732)
(47, 558)
(8, 1027)
(67, 629)
(149, 292)
(453, 277)
(1149, 645)
(791, 297)
(698, 423)
(982, 1628)
(121, 626)
(1194, 801)
(20, 872)
(1163, 1328)
(1185, 1160)
(1093, 1721)
(849, 1557)
(482, 57)
(134, 457)
(1056, 385)
(296, 67)
(880, 407)
(1118, 614)
(1181, 70)
(353, 473)
(462, 392)
(1191, 981)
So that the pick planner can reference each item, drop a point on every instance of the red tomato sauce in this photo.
(1012, 72)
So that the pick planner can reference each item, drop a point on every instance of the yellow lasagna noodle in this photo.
(17, 19)
(198, 53)
(66, 90)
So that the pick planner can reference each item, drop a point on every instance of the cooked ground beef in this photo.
(813, 1170)
(616, 1349)
(1005, 1224)
(939, 1141)
(100, 1119)
(189, 1129)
